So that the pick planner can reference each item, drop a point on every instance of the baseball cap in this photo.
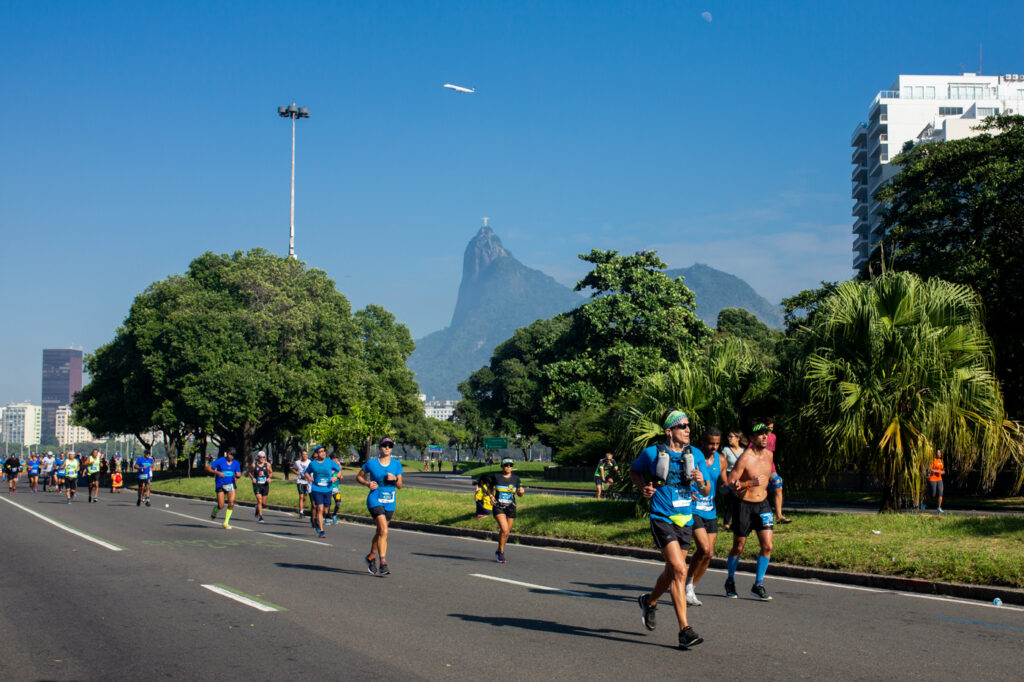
(509, 461)
(261, 454)
(319, 447)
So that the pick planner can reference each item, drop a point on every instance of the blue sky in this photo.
(139, 135)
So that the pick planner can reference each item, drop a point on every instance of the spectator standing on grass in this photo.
(604, 474)
(935, 472)
(775, 483)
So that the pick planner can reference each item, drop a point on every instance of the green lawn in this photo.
(980, 550)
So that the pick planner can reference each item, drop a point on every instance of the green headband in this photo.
(758, 428)
(674, 419)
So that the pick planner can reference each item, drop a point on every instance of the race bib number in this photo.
(261, 479)
(704, 505)
(767, 520)
(321, 482)
(386, 496)
(228, 487)
(143, 477)
(680, 503)
(504, 496)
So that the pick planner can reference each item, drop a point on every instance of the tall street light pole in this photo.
(294, 113)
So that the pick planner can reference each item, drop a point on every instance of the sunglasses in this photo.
(387, 445)
(681, 426)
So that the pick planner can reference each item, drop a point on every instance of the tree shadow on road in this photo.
(317, 567)
(556, 628)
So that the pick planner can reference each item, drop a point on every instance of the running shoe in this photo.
(688, 638)
(138, 503)
(147, 502)
(499, 557)
(730, 589)
(371, 564)
(260, 520)
(939, 509)
(691, 597)
(761, 593)
(227, 526)
(648, 613)
(383, 570)
(335, 518)
(321, 534)
(213, 514)
(256, 513)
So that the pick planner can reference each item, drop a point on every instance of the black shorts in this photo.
(71, 483)
(381, 511)
(710, 526)
(935, 488)
(665, 532)
(748, 516)
(509, 510)
(261, 489)
(94, 478)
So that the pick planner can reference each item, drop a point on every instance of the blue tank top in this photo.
(704, 505)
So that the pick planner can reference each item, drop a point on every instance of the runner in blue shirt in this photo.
(383, 476)
(144, 467)
(321, 474)
(58, 471)
(226, 471)
(705, 515)
(663, 477)
(33, 473)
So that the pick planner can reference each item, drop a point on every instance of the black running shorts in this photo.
(665, 532)
(750, 516)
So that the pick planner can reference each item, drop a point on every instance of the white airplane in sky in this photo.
(459, 88)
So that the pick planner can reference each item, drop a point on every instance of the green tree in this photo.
(956, 211)
(742, 324)
(387, 344)
(899, 366)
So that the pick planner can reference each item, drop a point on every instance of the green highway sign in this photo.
(495, 443)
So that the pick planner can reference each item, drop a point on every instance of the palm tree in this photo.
(898, 367)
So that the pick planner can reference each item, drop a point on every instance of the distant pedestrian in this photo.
(604, 474)
(935, 473)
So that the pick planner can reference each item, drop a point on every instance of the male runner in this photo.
(226, 470)
(47, 463)
(301, 484)
(12, 467)
(144, 467)
(660, 472)
(92, 471)
(33, 473)
(504, 488)
(705, 516)
(335, 492)
(749, 480)
(321, 474)
(58, 471)
(383, 476)
(604, 474)
(70, 469)
(260, 472)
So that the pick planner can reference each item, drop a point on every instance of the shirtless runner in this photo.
(751, 511)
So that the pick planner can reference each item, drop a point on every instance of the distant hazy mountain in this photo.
(498, 294)
(716, 290)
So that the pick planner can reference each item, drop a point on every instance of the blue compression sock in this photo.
(731, 563)
(762, 568)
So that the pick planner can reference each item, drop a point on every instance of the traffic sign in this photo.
(495, 443)
(435, 448)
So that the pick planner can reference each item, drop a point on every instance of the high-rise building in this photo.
(62, 378)
(21, 423)
(917, 109)
(67, 433)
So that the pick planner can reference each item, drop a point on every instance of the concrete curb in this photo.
(1008, 595)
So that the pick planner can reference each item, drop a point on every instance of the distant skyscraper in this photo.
(62, 378)
(915, 110)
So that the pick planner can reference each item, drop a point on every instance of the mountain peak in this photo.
(482, 250)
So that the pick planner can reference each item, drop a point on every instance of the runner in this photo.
(732, 451)
(48, 462)
(260, 472)
(70, 469)
(705, 517)
(144, 467)
(92, 474)
(383, 476)
(58, 471)
(662, 473)
(321, 474)
(775, 482)
(33, 473)
(301, 484)
(749, 480)
(336, 492)
(12, 467)
(226, 471)
(483, 498)
(504, 489)
(604, 473)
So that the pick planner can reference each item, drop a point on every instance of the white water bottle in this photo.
(688, 465)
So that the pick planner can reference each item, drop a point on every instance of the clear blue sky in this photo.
(138, 135)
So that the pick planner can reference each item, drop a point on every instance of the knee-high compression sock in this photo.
(762, 567)
(731, 563)
(227, 517)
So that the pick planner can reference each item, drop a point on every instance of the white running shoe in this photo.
(691, 597)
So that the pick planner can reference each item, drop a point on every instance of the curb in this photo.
(1008, 595)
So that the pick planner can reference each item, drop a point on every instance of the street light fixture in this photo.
(293, 112)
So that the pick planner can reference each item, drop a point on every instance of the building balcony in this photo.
(860, 209)
(859, 156)
(860, 131)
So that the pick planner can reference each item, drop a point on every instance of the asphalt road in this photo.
(133, 594)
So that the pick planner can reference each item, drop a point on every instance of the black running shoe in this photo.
(138, 502)
(688, 638)
(647, 612)
(730, 589)
(371, 564)
(761, 593)
(383, 570)
(260, 519)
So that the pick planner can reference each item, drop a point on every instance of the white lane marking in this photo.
(69, 529)
(240, 598)
(247, 530)
(530, 585)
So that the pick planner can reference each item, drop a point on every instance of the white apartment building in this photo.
(22, 422)
(918, 109)
(67, 433)
(439, 409)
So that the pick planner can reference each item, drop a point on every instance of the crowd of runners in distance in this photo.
(65, 472)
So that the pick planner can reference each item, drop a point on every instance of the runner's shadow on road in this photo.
(450, 556)
(189, 525)
(322, 569)
(615, 586)
(556, 628)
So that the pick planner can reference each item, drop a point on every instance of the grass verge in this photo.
(976, 550)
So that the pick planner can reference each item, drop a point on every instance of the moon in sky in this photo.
(706, 16)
